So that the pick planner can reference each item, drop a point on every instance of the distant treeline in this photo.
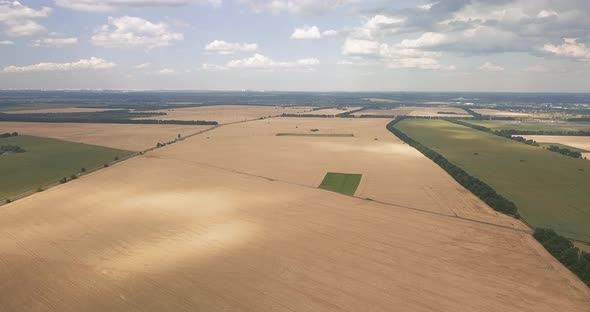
(565, 151)
(502, 133)
(545, 132)
(565, 251)
(510, 134)
(485, 192)
(479, 116)
(114, 116)
(580, 118)
(8, 134)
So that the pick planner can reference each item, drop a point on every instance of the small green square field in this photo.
(46, 161)
(344, 183)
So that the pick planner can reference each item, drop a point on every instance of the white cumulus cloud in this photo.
(135, 32)
(6, 42)
(19, 20)
(223, 47)
(312, 32)
(259, 61)
(93, 63)
(491, 67)
(54, 42)
(570, 48)
(295, 7)
(110, 5)
(143, 65)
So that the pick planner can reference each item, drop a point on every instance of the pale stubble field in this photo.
(190, 228)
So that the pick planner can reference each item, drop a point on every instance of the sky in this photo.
(296, 45)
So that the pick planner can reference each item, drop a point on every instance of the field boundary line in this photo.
(133, 154)
(269, 179)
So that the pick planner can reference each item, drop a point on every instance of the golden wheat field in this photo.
(232, 220)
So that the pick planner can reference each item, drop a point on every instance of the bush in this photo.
(73, 177)
(63, 180)
(83, 170)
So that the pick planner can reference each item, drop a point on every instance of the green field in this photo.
(317, 134)
(344, 183)
(571, 148)
(46, 161)
(532, 126)
(549, 189)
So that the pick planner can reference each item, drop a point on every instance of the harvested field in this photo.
(318, 134)
(581, 142)
(331, 111)
(59, 110)
(417, 111)
(440, 112)
(227, 113)
(392, 171)
(161, 234)
(122, 136)
(549, 189)
(499, 113)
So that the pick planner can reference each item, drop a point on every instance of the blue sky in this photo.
(306, 45)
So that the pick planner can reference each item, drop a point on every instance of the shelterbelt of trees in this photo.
(8, 134)
(510, 134)
(485, 192)
(113, 116)
(564, 250)
(560, 247)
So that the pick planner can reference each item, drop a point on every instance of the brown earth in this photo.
(122, 136)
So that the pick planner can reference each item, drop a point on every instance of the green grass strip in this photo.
(344, 183)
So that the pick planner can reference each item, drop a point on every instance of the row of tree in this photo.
(8, 134)
(565, 151)
(511, 132)
(114, 116)
(523, 140)
(479, 116)
(482, 190)
(565, 251)
(560, 247)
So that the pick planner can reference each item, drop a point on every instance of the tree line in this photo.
(482, 190)
(564, 250)
(560, 247)
(510, 134)
(115, 116)
(478, 116)
(565, 151)
(8, 134)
